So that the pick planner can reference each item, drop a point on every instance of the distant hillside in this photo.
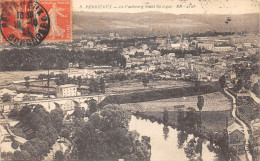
(157, 23)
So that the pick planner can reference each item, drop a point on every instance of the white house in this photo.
(67, 90)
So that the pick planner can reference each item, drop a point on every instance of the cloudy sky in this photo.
(172, 6)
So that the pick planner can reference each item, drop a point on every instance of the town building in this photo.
(223, 48)
(236, 137)
(206, 46)
(89, 45)
(114, 36)
(67, 90)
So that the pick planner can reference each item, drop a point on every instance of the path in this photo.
(234, 114)
(17, 138)
(255, 98)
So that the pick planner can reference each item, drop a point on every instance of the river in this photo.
(165, 149)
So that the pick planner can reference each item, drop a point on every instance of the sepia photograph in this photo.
(129, 80)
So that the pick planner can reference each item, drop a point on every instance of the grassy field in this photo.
(135, 85)
(32, 89)
(212, 102)
(159, 94)
(248, 108)
(11, 76)
(215, 112)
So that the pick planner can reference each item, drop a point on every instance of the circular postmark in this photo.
(24, 22)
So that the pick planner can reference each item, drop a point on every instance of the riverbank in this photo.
(158, 94)
(167, 144)
(214, 121)
(213, 128)
(215, 112)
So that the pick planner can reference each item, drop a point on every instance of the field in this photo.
(214, 114)
(135, 85)
(248, 108)
(11, 76)
(212, 102)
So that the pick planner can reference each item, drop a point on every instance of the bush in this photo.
(15, 144)
(6, 155)
(13, 113)
(6, 97)
(59, 156)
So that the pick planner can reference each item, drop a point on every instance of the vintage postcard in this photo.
(129, 80)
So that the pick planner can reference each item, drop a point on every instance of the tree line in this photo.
(104, 135)
(40, 128)
(44, 59)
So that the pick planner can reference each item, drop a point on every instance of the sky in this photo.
(169, 6)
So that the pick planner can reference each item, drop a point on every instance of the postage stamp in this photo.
(29, 22)
(24, 23)
(60, 15)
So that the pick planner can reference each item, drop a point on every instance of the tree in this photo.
(78, 113)
(165, 132)
(59, 156)
(182, 137)
(222, 81)
(108, 129)
(197, 83)
(200, 104)
(41, 77)
(6, 97)
(199, 146)
(65, 133)
(82, 65)
(24, 111)
(57, 81)
(15, 144)
(238, 85)
(56, 117)
(190, 149)
(13, 113)
(21, 155)
(165, 117)
(61, 78)
(92, 106)
(253, 148)
(145, 81)
(27, 146)
(233, 155)
(256, 89)
(79, 80)
(26, 97)
(93, 86)
(27, 83)
(102, 85)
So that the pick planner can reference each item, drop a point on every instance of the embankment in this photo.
(160, 94)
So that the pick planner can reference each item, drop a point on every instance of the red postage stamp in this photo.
(60, 14)
(29, 22)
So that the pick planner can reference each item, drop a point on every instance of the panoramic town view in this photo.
(137, 86)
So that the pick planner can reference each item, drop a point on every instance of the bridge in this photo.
(65, 103)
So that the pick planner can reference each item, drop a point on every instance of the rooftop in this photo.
(234, 127)
(67, 86)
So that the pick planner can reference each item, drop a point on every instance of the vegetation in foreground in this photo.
(105, 135)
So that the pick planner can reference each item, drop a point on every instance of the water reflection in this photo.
(169, 144)
(182, 137)
(165, 132)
